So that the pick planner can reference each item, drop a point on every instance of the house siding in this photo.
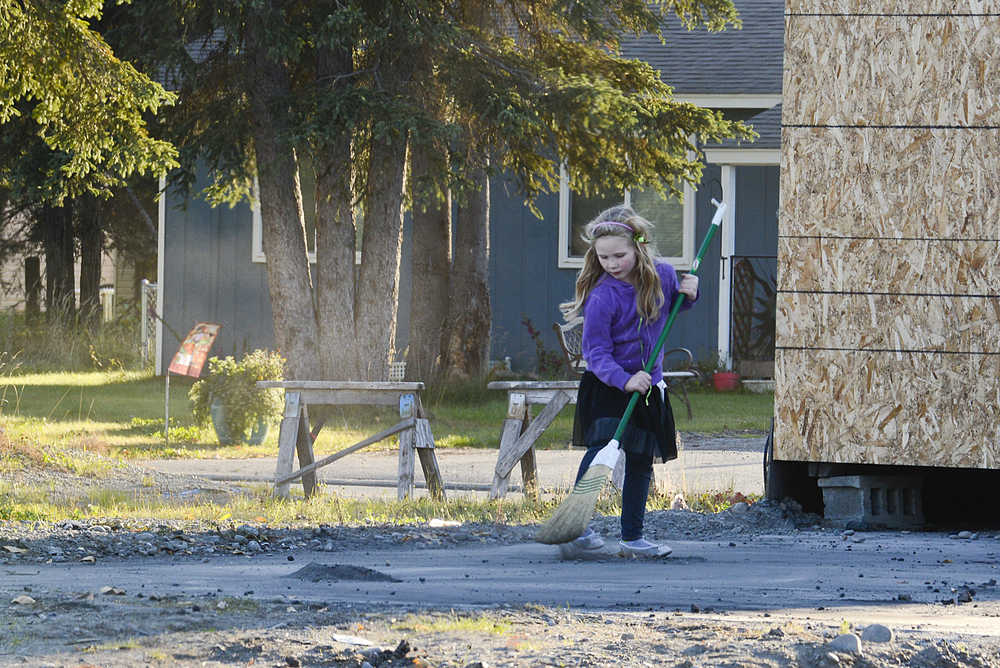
(525, 279)
(208, 277)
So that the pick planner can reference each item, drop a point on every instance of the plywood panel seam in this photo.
(866, 293)
(893, 351)
(894, 14)
(884, 238)
(897, 126)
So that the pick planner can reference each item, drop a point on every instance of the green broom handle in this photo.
(720, 208)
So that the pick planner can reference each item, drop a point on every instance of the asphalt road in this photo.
(704, 464)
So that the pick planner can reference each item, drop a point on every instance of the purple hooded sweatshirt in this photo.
(616, 341)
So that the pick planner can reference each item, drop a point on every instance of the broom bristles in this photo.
(574, 513)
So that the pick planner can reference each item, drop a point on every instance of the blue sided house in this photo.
(211, 265)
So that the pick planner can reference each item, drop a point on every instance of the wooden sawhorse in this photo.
(296, 435)
(517, 440)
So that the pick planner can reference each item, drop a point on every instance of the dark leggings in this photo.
(635, 489)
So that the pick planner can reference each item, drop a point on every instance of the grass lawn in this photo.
(121, 414)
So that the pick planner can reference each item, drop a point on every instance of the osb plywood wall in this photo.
(889, 248)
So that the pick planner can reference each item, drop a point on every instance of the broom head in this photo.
(574, 513)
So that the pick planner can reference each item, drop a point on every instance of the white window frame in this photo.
(567, 261)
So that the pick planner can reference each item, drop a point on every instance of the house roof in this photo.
(746, 62)
(768, 126)
(765, 150)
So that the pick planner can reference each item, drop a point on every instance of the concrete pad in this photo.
(903, 580)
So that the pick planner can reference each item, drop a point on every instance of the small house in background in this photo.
(211, 266)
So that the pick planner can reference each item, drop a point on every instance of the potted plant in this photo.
(717, 375)
(228, 396)
(724, 380)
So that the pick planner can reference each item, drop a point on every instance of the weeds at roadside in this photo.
(258, 504)
(715, 501)
(178, 433)
(453, 622)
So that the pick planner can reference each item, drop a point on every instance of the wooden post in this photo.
(424, 444)
(512, 452)
(32, 287)
(513, 425)
(529, 473)
(407, 438)
(304, 446)
(287, 439)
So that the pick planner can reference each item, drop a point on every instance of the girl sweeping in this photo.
(625, 296)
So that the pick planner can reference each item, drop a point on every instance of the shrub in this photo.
(234, 385)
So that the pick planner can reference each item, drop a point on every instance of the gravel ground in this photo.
(111, 627)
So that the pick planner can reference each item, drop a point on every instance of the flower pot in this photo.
(218, 412)
(725, 381)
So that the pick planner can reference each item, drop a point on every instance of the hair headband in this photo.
(637, 237)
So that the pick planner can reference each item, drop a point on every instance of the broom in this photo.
(574, 513)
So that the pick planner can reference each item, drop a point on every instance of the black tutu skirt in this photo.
(599, 409)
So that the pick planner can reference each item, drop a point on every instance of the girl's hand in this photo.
(689, 286)
(639, 382)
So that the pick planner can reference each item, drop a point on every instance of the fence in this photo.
(752, 317)
(147, 337)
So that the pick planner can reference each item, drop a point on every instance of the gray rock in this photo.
(739, 508)
(248, 530)
(877, 633)
(849, 643)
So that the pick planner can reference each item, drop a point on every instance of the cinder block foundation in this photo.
(873, 500)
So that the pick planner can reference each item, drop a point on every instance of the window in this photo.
(307, 184)
(674, 222)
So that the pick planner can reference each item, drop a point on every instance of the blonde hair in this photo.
(620, 221)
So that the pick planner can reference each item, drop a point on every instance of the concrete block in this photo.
(891, 501)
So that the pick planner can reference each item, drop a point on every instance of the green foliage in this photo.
(557, 91)
(179, 433)
(87, 106)
(549, 363)
(717, 501)
(233, 384)
(532, 84)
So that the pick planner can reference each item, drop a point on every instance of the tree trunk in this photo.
(32, 286)
(57, 223)
(91, 244)
(284, 237)
(431, 262)
(377, 295)
(335, 242)
(467, 336)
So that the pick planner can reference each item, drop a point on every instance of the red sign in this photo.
(194, 350)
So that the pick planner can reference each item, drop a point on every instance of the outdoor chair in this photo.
(678, 363)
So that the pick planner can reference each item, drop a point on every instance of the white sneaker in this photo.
(641, 548)
(589, 545)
